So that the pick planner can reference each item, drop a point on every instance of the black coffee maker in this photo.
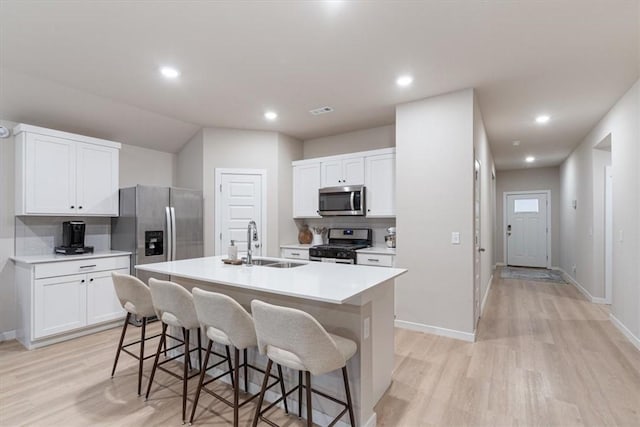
(73, 239)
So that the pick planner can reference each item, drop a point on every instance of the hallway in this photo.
(544, 356)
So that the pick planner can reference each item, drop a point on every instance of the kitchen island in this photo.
(354, 301)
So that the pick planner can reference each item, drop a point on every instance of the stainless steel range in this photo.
(343, 244)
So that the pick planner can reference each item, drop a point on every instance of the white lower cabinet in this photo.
(294, 253)
(379, 260)
(66, 302)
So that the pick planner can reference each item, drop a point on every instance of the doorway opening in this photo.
(602, 229)
(527, 228)
(241, 196)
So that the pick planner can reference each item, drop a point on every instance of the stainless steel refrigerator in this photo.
(158, 224)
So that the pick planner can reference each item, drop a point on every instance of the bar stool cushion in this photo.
(295, 339)
(133, 294)
(224, 319)
(174, 304)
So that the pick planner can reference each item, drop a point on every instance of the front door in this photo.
(240, 201)
(527, 229)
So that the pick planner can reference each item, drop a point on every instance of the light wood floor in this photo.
(544, 356)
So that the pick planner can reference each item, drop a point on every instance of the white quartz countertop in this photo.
(40, 259)
(318, 281)
(378, 250)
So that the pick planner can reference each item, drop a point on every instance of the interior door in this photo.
(188, 212)
(240, 201)
(476, 244)
(527, 229)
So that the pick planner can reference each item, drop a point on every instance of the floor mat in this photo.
(535, 274)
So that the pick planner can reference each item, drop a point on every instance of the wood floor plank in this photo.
(544, 356)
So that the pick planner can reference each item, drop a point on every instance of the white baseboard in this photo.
(583, 291)
(372, 421)
(7, 335)
(486, 295)
(625, 331)
(500, 264)
(436, 330)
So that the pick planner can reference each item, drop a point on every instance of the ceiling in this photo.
(92, 67)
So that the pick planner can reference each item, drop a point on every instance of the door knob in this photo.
(481, 250)
(257, 245)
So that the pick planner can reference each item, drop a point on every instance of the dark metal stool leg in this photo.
(348, 392)
(185, 374)
(236, 389)
(233, 383)
(199, 349)
(284, 393)
(262, 391)
(185, 337)
(163, 338)
(309, 413)
(299, 394)
(124, 331)
(203, 371)
(141, 361)
(246, 372)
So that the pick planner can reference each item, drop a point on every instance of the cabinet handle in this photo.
(72, 207)
(79, 207)
(82, 281)
(295, 253)
(368, 210)
(373, 260)
(91, 280)
(87, 266)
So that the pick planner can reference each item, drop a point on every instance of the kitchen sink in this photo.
(264, 262)
(285, 265)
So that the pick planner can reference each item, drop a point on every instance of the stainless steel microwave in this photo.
(342, 201)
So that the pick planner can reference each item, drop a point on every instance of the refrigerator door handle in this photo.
(169, 245)
(173, 233)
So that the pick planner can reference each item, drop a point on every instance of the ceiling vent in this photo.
(321, 110)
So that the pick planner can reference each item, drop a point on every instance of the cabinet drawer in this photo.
(295, 253)
(375, 259)
(64, 268)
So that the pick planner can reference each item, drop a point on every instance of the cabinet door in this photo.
(50, 175)
(331, 173)
(97, 180)
(381, 185)
(306, 182)
(353, 171)
(60, 304)
(102, 301)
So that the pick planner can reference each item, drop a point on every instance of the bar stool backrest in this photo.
(174, 304)
(133, 294)
(226, 314)
(297, 332)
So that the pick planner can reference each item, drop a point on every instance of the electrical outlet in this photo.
(455, 238)
(367, 327)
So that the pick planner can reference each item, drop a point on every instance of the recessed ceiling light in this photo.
(404, 81)
(169, 72)
(271, 115)
(4, 132)
(542, 119)
(530, 159)
(516, 143)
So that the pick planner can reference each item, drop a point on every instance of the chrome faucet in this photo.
(251, 237)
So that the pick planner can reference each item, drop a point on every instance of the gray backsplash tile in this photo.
(38, 235)
(377, 225)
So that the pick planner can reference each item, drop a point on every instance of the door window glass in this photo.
(526, 206)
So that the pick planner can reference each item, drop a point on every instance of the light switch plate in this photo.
(455, 238)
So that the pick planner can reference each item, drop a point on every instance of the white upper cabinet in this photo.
(306, 182)
(380, 184)
(58, 173)
(340, 172)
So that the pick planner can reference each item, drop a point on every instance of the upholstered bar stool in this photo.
(295, 339)
(226, 322)
(174, 305)
(135, 298)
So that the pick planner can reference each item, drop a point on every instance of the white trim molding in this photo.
(436, 330)
(486, 296)
(625, 331)
(578, 286)
(7, 335)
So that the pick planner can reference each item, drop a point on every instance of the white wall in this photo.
(289, 149)
(137, 166)
(529, 180)
(487, 198)
(577, 180)
(435, 163)
(190, 164)
(351, 142)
